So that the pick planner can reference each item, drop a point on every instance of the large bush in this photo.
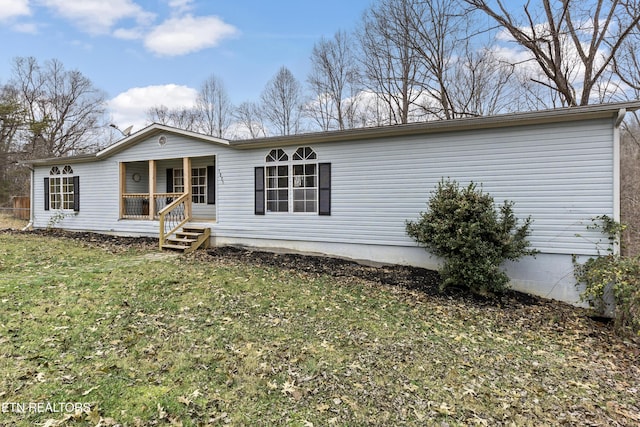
(463, 226)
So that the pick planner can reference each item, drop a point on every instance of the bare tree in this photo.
(214, 107)
(249, 115)
(282, 102)
(183, 118)
(482, 84)
(64, 112)
(433, 31)
(334, 81)
(626, 65)
(573, 42)
(391, 65)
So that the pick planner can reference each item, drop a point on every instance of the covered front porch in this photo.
(159, 191)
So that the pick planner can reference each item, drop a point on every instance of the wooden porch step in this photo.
(175, 247)
(194, 228)
(181, 240)
(188, 239)
(188, 233)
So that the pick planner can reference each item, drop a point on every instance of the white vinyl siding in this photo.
(560, 174)
(100, 185)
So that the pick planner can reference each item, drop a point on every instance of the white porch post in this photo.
(123, 188)
(152, 189)
(186, 166)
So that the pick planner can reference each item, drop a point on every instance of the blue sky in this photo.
(144, 52)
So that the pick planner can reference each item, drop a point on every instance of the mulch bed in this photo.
(527, 310)
(412, 278)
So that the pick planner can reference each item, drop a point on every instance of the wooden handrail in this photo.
(173, 223)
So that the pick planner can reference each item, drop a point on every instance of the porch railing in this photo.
(173, 216)
(136, 205)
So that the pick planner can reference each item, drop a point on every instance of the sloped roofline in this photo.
(123, 144)
(156, 129)
(559, 115)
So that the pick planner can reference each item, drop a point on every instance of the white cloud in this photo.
(13, 8)
(130, 107)
(98, 16)
(180, 36)
(26, 27)
(181, 6)
(128, 33)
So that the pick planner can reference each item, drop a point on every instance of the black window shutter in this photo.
(76, 193)
(46, 194)
(259, 190)
(324, 189)
(211, 185)
(169, 180)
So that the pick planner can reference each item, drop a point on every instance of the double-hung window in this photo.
(277, 181)
(305, 180)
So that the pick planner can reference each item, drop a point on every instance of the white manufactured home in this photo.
(350, 193)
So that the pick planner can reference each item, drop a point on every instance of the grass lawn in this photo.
(137, 337)
(9, 221)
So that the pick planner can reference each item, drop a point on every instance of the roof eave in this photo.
(441, 126)
(82, 158)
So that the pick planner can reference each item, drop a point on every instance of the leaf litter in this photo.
(235, 336)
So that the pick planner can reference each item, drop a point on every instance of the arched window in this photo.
(299, 185)
(277, 155)
(305, 180)
(277, 181)
(61, 188)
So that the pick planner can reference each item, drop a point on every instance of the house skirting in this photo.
(546, 275)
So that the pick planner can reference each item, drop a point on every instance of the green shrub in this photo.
(463, 227)
(612, 275)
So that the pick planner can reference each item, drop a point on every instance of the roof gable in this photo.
(152, 130)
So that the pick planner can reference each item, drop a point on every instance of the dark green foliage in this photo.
(614, 276)
(463, 227)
